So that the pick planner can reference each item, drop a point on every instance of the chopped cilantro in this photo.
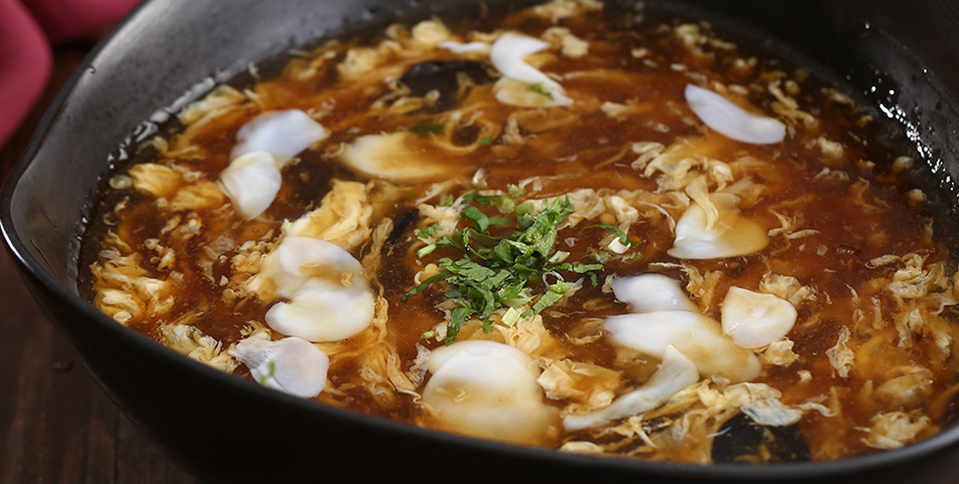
(457, 318)
(494, 273)
(510, 317)
(485, 141)
(623, 238)
(506, 205)
(554, 294)
(425, 251)
(475, 197)
(516, 191)
(601, 257)
(538, 89)
(427, 232)
(425, 129)
(477, 217)
(446, 201)
(272, 366)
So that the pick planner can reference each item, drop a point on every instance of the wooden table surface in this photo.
(56, 425)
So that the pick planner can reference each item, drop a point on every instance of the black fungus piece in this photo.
(742, 440)
(311, 179)
(405, 223)
(442, 76)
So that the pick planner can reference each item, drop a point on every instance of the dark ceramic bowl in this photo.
(224, 429)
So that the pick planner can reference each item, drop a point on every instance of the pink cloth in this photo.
(28, 28)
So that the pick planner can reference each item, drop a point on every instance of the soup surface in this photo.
(611, 233)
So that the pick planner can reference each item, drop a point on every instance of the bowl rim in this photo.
(33, 269)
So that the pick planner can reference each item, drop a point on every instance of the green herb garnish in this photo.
(425, 129)
(427, 232)
(623, 238)
(601, 257)
(516, 191)
(485, 141)
(263, 379)
(538, 89)
(503, 272)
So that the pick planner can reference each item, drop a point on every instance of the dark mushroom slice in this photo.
(741, 440)
(444, 77)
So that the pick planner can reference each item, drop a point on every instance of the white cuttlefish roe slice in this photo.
(252, 182)
(290, 365)
(755, 320)
(732, 121)
(299, 259)
(264, 145)
(489, 390)
(328, 297)
(651, 292)
(389, 156)
(730, 236)
(675, 373)
(322, 311)
(467, 48)
(507, 55)
(283, 134)
(694, 335)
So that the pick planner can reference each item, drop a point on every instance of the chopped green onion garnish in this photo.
(538, 89)
(425, 129)
(502, 272)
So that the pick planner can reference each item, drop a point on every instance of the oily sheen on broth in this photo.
(607, 233)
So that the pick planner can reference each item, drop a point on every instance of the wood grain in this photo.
(56, 425)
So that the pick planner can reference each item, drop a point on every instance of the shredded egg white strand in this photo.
(675, 373)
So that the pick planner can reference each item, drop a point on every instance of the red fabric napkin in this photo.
(28, 29)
